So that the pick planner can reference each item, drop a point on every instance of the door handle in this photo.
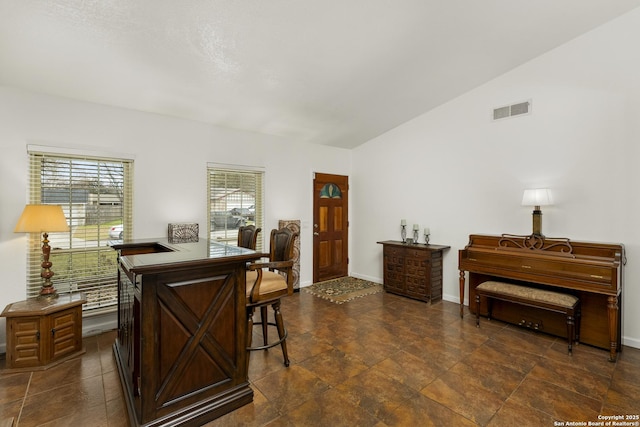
(315, 233)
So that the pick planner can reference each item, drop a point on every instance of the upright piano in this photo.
(593, 272)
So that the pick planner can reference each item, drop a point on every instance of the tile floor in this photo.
(381, 360)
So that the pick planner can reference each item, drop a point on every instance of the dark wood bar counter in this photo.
(182, 328)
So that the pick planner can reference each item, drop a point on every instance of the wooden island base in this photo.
(181, 343)
(192, 415)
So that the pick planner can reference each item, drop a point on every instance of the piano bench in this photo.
(557, 302)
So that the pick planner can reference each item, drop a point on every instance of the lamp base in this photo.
(47, 290)
(537, 222)
(48, 293)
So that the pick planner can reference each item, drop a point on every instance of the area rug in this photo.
(343, 289)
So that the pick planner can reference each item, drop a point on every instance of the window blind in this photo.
(235, 199)
(95, 194)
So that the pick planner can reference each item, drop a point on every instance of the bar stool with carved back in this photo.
(248, 236)
(267, 283)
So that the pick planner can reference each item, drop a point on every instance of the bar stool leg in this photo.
(282, 332)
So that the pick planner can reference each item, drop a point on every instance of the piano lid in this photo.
(541, 245)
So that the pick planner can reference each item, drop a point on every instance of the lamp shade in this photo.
(537, 197)
(41, 218)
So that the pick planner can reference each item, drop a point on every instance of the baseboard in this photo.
(97, 324)
(305, 284)
(369, 278)
(451, 298)
(630, 342)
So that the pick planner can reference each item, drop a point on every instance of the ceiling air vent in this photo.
(512, 110)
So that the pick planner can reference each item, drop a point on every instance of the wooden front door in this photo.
(330, 226)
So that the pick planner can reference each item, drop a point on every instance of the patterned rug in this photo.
(343, 289)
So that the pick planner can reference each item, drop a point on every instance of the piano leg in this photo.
(571, 332)
(578, 320)
(613, 327)
(462, 294)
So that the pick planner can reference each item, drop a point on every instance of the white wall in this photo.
(451, 169)
(171, 158)
(457, 172)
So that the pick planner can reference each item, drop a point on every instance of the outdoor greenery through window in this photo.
(96, 196)
(235, 199)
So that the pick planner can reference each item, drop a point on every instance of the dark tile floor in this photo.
(380, 360)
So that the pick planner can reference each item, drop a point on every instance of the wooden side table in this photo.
(43, 332)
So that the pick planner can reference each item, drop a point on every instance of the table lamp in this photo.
(537, 197)
(43, 219)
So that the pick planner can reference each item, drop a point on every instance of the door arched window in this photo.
(330, 191)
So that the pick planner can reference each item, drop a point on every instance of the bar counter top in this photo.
(144, 255)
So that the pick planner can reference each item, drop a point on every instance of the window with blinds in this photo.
(96, 197)
(235, 199)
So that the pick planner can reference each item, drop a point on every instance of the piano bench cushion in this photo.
(527, 293)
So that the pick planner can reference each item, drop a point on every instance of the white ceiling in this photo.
(327, 72)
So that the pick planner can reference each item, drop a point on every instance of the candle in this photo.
(426, 230)
(403, 222)
(416, 226)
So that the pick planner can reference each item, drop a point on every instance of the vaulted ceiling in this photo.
(328, 72)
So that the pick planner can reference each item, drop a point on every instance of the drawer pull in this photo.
(472, 259)
(526, 266)
(597, 277)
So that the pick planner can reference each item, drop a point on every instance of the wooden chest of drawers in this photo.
(413, 270)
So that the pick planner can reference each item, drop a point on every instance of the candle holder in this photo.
(415, 237)
(426, 239)
(403, 233)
